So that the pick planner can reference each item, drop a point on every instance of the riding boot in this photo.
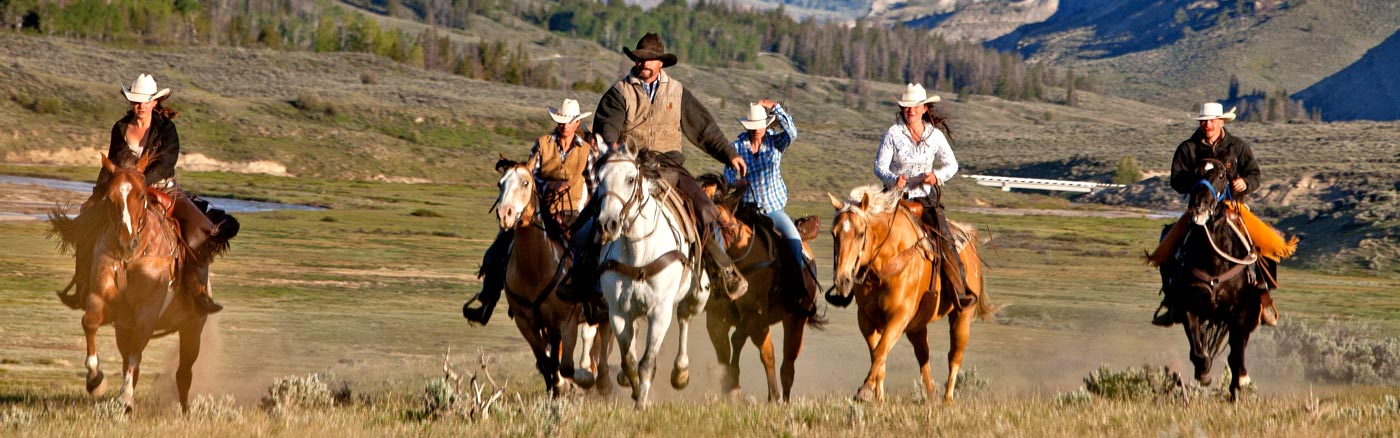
(199, 288)
(794, 273)
(493, 274)
(1165, 315)
(954, 273)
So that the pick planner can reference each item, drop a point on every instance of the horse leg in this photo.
(547, 366)
(718, 325)
(793, 326)
(919, 338)
(657, 322)
(601, 347)
(584, 375)
(959, 332)
(762, 338)
(875, 380)
(625, 330)
(1200, 358)
(872, 339)
(189, 352)
(680, 373)
(132, 343)
(92, 321)
(1239, 340)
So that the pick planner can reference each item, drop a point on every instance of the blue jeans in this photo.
(785, 226)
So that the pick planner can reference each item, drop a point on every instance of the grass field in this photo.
(371, 293)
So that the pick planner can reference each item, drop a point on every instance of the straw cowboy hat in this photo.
(650, 47)
(143, 90)
(914, 95)
(758, 118)
(568, 112)
(1212, 111)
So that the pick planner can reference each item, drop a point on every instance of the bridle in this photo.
(631, 206)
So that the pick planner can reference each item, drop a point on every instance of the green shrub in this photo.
(1128, 171)
(311, 102)
(1338, 352)
(293, 393)
(1131, 384)
(47, 105)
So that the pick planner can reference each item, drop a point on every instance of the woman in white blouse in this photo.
(915, 157)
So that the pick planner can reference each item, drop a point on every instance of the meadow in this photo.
(366, 295)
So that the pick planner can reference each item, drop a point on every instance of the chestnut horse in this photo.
(1217, 281)
(756, 256)
(135, 260)
(883, 260)
(549, 324)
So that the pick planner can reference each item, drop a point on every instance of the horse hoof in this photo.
(95, 385)
(865, 395)
(622, 380)
(680, 378)
(584, 379)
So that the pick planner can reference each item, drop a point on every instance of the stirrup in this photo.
(206, 305)
(1268, 316)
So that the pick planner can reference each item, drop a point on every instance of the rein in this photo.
(644, 272)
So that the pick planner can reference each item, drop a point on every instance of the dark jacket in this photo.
(161, 139)
(697, 125)
(1231, 150)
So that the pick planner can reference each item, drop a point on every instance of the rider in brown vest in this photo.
(562, 162)
(650, 111)
(1211, 140)
(148, 130)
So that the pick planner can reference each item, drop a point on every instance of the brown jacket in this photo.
(550, 164)
(1231, 150)
(627, 114)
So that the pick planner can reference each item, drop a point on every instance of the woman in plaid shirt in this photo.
(762, 150)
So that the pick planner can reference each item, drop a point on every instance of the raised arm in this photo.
(782, 141)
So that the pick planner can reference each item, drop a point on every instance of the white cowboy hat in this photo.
(1212, 111)
(567, 112)
(758, 118)
(914, 95)
(143, 90)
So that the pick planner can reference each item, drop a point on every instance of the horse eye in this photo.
(631, 180)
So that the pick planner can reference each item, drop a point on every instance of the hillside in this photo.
(1366, 90)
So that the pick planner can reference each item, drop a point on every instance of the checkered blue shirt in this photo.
(765, 177)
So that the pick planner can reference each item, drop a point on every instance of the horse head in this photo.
(623, 190)
(1207, 194)
(726, 198)
(516, 203)
(126, 199)
(849, 233)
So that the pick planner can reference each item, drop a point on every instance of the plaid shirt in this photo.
(765, 177)
(589, 176)
(899, 155)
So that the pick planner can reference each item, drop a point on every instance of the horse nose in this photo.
(610, 226)
(843, 284)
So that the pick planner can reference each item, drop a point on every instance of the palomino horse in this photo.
(882, 259)
(549, 324)
(135, 261)
(1216, 281)
(648, 270)
(757, 257)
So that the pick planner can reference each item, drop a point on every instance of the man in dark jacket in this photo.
(1211, 140)
(649, 111)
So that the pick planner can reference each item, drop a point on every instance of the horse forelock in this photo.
(881, 201)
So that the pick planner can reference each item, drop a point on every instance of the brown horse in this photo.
(549, 324)
(137, 254)
(883, 260)
(756, 255)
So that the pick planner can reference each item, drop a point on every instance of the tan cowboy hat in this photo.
(758, 118)
(568, 112)
(650, 47)
(143, 90)
(914, 95)
(1212, 111)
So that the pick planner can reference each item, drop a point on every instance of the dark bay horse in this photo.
(549, 324)
(136, 258)
(756, 255)
(883, 262)
(1216, 281)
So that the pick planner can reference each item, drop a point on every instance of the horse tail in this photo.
(64, 228)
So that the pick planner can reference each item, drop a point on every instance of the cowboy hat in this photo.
(758, 118)
(1212, 111)
(914, 95)
(143, 90)
(651, 47)
(568, 112)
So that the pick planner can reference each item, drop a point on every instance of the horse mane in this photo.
(881, 200)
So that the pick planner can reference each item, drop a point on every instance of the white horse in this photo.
(648, 270)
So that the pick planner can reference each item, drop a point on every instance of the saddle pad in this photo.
(672, 200)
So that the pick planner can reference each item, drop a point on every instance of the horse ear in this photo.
(709, 190)
(835, 203)
(142, 163)
(107, 164)
(864, 201)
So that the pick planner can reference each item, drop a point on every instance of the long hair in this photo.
(932, 117)
(168, 112)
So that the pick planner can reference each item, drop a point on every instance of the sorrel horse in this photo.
(1216, 280)
(549, 324)
(751, 316)
(883, 260)
(135, 261)
(648, 269)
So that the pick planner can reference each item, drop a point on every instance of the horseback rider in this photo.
(1212, 141)
(915, 155)
(650, 111)
(762, 150)
(148, 130)
(562, 164)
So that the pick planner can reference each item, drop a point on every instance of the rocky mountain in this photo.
(1365, 90)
